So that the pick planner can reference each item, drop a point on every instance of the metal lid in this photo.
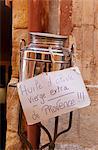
(48, 35)
(49, 39)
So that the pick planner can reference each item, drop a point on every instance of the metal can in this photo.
(45, 53)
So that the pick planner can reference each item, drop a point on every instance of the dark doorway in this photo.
(5, 64)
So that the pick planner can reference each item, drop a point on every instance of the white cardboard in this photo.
(52, 94)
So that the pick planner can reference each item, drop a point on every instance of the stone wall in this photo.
(85, 30)
(82, 19)
(19, 31)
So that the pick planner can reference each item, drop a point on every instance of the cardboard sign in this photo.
(52, 94)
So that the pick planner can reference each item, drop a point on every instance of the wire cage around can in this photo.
(45, 53)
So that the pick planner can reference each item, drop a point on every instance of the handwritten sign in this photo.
(52, 94)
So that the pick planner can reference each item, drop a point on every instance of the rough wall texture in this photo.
(85, 30)
(12, 138)
(83, 23)
(19, 31)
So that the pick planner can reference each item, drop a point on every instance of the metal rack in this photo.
(45, 50)
(51, 143)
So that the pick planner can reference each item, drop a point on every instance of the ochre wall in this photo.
(82, 19)
(19, 31)
(85, 30)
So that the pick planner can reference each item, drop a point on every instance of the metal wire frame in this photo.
(51, 143)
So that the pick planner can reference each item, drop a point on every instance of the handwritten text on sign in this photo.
(51, 94)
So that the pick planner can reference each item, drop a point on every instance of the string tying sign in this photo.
(52, 94)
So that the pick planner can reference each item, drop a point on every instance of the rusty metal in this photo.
(34, 16)
(34, 25)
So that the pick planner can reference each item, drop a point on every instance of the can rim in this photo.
(48, 35)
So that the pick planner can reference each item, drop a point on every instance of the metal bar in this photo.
(22, 137)
(43, 49)
(51, 145)
(42, 147)
(69, 126)
(56, 127)
(39, 60)
(47, 132)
